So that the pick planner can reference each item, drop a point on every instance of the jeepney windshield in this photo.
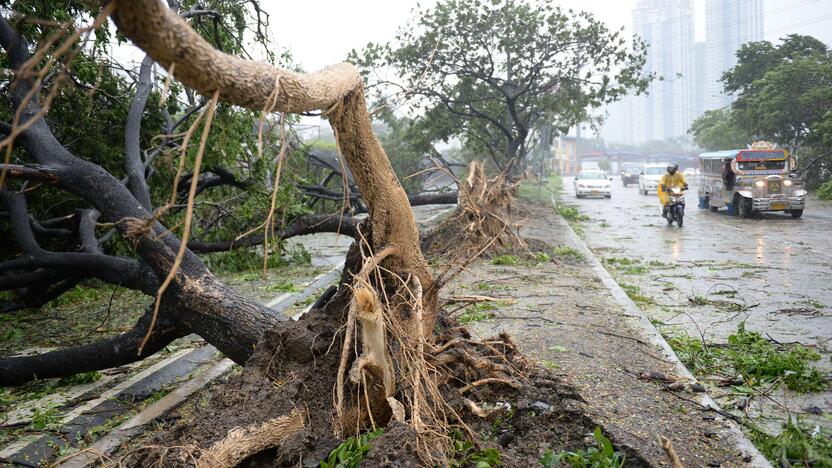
(761, 165)
(766, 160)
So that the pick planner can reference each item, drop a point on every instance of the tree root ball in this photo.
(525, 409)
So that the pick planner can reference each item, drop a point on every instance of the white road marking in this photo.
(279, 299)
(133, 425)
(23, 413)
(15, 447)
(123, 385)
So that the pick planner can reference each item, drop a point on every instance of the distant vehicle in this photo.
(592, 183)
(764, 180)
(648, 179)
(689, 172)
(629, 173)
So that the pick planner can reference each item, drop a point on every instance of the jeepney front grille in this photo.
(775, 186)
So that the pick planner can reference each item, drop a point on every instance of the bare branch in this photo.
(133, 163)
(116, 351)
(30, 172)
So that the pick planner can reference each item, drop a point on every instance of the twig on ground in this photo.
(671, 452)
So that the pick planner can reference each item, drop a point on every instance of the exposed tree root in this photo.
(482, 224)
(242, 442)
(675, 462)
(459, 385)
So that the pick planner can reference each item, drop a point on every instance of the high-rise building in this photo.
(666, 26)
(698, 81)
(728, 25)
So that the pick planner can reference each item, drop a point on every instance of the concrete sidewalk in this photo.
(570, 315)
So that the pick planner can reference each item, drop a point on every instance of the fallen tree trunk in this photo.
(112, 352)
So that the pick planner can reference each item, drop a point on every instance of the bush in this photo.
(571, 213)
(825, 190)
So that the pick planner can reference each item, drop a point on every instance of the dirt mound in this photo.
(494, 399)
(291, 370)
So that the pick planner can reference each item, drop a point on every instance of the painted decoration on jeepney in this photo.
(762, 145)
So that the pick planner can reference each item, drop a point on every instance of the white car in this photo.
(592, 184)
(648, 180)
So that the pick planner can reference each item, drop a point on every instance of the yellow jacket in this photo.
(670, 181)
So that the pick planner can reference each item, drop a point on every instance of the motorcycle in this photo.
(675, 206)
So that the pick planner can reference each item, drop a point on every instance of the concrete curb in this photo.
(654, 337)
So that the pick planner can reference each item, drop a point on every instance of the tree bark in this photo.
(337, 90)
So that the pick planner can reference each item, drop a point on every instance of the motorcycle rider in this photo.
(672, 179)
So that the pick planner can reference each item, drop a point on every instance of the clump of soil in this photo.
(491, 397)
(296, 366)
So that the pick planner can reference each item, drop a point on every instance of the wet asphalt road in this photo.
(772, 271)
(782, 264)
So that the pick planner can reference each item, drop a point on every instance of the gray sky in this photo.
(321, 32)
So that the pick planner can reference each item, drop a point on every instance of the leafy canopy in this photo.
(784, 94)
(716, 130)
(489, 72)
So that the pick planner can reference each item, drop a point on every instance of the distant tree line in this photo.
(784, 95)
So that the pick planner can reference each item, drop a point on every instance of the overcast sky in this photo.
(321, 32)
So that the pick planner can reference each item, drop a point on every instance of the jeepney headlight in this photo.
(760, 183)
(787, 183)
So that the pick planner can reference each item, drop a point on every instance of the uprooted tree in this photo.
(387, 363)
(386, 281)
(196, 301)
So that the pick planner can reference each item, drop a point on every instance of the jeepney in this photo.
(764, 180)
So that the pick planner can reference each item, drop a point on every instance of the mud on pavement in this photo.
(561, 314)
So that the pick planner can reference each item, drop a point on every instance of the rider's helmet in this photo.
(672, 168)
